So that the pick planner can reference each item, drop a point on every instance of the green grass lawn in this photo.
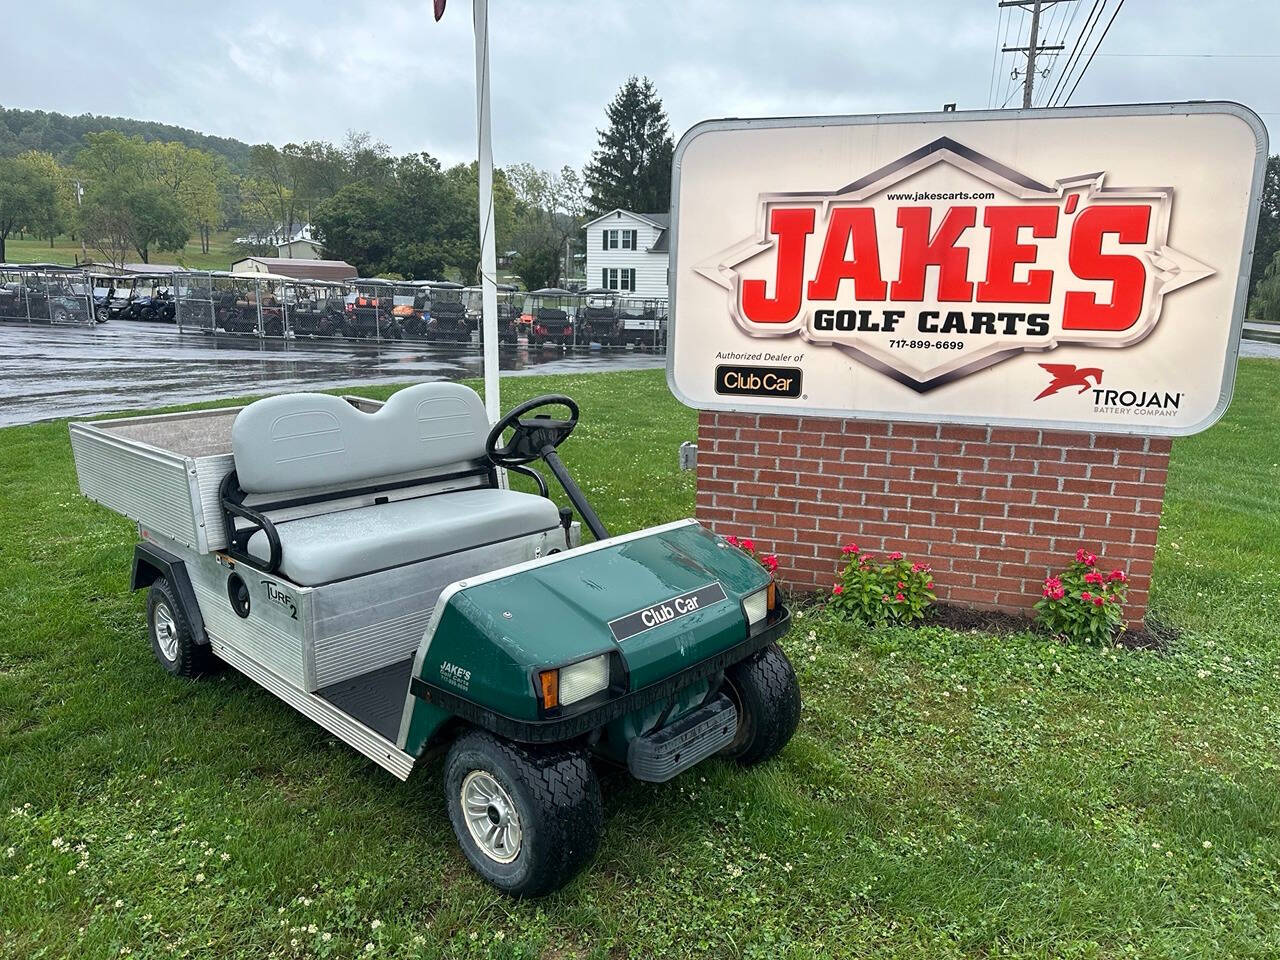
(65, 250)
(948, 794)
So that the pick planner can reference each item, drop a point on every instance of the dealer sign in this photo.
(1083, 268)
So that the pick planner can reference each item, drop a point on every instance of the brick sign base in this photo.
(993, 509)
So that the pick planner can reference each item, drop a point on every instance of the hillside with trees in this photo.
(63, 136)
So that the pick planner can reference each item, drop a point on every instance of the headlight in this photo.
(575, 682)
(757, 607)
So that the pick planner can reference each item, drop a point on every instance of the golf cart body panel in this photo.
(673, 594)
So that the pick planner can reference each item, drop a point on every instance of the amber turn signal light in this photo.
(550, 680)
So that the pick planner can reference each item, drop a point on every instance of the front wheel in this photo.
(766, 695)
(172, 639)
(528, 819)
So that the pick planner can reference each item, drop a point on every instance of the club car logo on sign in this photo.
(929, 286)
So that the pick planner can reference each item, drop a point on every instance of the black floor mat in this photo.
(376, 699)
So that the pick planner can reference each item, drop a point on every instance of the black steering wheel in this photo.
(533, 435)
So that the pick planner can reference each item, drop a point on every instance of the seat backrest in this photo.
(299, 441)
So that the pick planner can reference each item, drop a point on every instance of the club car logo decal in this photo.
(972, 265)
(668, 610)
(737, 380)
(281, 598)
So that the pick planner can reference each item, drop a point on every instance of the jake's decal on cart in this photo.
(641, 620)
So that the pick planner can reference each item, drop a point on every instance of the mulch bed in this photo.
(1153, 636)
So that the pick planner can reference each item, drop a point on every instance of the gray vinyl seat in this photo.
(350, 543)
(296, 443)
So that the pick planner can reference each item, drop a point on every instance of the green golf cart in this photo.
(369, 565)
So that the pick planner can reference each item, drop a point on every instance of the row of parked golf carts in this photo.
(45, 293)
(264, 305)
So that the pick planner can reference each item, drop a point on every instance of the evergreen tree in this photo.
(631, 168)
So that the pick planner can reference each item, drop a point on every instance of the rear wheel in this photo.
(528, 819)
(766, 695)
(172, 640)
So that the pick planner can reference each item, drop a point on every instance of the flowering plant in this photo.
(767, 560)
(1083, 603)
(876, 592)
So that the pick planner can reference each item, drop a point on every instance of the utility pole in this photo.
(1033, 48)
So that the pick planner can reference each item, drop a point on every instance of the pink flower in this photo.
(899, 597)
(918, 567)
(1088, 559)
(1118, 574)
(731, 541)
(1094, 577)
(769, 562)
(748, 545)
(1059, 594)
(837, 589)
(1099, 601)
(1053, 583)
(929, 585)
(1086, 595)
(849, 548)
(885, 598)
(901, 584)
(895, 556)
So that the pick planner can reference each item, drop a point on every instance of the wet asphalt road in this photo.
(48, 372)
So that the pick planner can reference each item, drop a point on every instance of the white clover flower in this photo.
(326, 936)
(224, 856)
(375, 925)
(312, 928)
(119, 903)
(199, 878)
(1208, 845)
(368, 947)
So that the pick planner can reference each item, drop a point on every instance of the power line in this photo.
(1206, 56)
(1081, 41)
(1119, 4)
(1008, 80)
(995, 57)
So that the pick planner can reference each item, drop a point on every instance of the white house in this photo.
(627, 251)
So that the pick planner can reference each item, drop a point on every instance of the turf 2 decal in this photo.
(935, 267)
(901, 282)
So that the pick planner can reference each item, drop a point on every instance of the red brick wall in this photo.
(992, 509)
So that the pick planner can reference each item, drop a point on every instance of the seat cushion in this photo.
(348, 543)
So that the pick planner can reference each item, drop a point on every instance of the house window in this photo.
(628, 239)
(613, 278)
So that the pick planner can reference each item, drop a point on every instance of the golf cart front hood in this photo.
(663, 600)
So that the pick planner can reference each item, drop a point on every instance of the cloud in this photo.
(298, 70)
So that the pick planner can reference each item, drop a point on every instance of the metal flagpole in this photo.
(488, 255)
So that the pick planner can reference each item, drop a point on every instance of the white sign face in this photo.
(1079, 268)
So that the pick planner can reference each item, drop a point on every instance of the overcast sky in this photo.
(301, 69)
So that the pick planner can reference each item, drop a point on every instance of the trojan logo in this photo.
(1069, 375)
(946, 262)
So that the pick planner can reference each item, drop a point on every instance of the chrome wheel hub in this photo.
(491, 816)
(166, 631)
